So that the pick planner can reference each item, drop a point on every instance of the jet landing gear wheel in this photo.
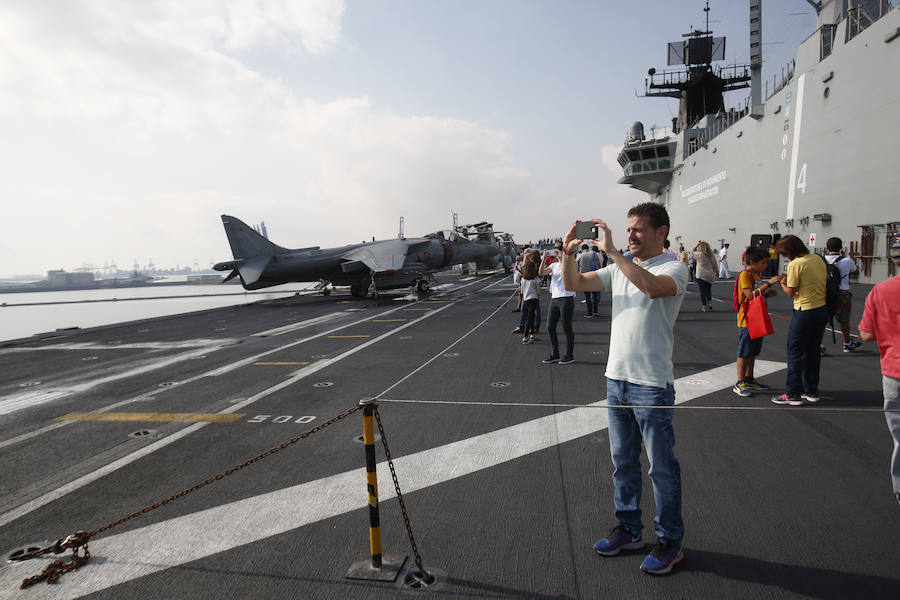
(423, 286)
(359, 291)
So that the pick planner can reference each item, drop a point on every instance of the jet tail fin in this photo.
(245, 241)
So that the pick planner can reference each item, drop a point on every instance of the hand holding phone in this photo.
(586, 230)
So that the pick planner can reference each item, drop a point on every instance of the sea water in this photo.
(24, 314)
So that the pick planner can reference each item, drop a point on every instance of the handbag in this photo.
(759, 324)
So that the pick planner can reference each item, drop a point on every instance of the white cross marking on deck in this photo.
(194, 536)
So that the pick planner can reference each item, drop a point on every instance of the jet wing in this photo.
(379, 256)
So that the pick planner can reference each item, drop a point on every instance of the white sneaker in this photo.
(810, 398)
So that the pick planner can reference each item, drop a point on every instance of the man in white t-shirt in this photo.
(562, 303)
(646, 297)
(834, 255)
(723, 263)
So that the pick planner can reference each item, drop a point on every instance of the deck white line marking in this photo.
(215, 372)
(178, 345)
(194, 536)
(26, 508)
(246, 361)
(295, 326)
(35, 397)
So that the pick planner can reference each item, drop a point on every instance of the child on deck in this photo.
(530, 289)
(749, 349)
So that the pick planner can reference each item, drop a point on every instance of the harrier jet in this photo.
(366, 267)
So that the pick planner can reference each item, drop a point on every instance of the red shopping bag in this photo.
(757, 314)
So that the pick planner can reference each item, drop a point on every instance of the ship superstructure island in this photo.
(812, 152)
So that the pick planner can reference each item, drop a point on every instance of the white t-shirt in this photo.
(844, 266)
(557, 289)
(641, 337)
(530, 288)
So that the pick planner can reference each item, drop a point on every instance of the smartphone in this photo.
(586, 230)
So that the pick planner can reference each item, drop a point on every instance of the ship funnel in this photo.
(636, 132)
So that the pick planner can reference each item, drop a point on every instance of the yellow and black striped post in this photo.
(372, 485)
(379, 568)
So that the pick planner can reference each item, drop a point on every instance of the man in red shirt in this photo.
(881, 323)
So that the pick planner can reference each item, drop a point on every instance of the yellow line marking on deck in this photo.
(153, 417)
(281, 363)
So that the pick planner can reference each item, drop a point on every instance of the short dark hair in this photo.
(755, 253)
(584, 247)
(791, 246)
(834, 244)
(655, 213)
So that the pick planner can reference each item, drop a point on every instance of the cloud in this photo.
(135, 125)
(609, 157)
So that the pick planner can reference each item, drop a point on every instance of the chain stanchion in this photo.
(426, 577)
(79, 540)
(379, 568)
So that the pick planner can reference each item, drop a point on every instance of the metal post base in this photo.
(391, 564)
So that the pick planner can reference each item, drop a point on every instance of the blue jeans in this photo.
(592, 301)
(537, 316)
(705, 292)
(627, 428)
(891, 388)
(803, 356)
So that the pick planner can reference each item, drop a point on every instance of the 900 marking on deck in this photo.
(280, 419)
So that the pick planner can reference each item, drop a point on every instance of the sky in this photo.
(130, 127)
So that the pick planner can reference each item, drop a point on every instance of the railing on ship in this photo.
(863, 14)
(699, 137)
(717, 125)
(779, 80)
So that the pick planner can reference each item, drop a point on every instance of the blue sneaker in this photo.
(754, 384)
(741, 389)
(618, 539)
(662, 558)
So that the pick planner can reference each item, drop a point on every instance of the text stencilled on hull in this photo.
(704, 189)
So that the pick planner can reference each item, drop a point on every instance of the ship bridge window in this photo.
(636, 168)
(665, 164)
(647, 153)
(650, 165)
(662, 151)
(633, 155)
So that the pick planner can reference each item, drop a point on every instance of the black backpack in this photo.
(832, 291)
(832, 286)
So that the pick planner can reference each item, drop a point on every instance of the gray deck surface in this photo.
(783, 503)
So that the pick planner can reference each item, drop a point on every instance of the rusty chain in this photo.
(79, 539)
(426, 576)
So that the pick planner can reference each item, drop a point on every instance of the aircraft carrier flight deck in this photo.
(503, 461)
